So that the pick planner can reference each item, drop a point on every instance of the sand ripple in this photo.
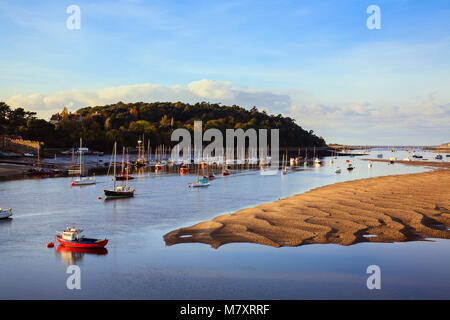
(383, 209)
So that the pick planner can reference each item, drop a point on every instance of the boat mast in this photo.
(81, 155)
(114, 179)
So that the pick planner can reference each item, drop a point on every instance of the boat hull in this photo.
(83, 183)
(85, 243)
(4, 214)
(118, 194)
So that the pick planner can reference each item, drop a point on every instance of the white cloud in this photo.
(425, 122)
(361, 122)
(202, 90)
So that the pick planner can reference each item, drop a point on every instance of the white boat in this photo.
(199, 185)
(268, 172)
(5, 213)
(82, 180)
(338, 170)
(29, 154)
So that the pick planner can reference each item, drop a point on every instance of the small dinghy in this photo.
(72, 237)
(201, 183)
(5, 213)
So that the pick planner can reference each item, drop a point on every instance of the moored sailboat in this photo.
(122, 191)
(83, 180)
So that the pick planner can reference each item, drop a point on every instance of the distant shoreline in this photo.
(391, 208)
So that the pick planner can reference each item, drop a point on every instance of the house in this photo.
(57, 118)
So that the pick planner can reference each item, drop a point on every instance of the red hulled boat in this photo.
(72, 237)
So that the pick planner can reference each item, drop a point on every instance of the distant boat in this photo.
(380, 155)
(417, 156)
(338, 170)
(438, 157)
(38, 171)
(123, 191)
(317, 162)
(5, 213)
(72, 237)
(141, 161)
(29, 154)
(124, 171)
(200, 183)
(184, 169)
(82, 180)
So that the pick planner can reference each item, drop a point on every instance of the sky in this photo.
(315, 61)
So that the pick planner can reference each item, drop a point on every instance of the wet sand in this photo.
(382, 209)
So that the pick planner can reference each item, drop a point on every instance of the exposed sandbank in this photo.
(392, 208)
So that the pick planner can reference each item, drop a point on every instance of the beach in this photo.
(393, 208)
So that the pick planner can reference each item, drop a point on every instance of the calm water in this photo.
(137, 263)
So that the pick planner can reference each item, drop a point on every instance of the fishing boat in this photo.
(83, 180)
(5, 213)
(72, 237)
(122, 191)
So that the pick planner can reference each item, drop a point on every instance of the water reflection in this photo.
(72, 255)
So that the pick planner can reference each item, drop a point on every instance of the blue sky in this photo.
(315, 61)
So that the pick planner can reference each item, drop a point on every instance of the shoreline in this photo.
(394, 208)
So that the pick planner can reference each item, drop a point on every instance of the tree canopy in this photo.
(102, 125)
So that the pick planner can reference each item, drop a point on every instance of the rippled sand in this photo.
(382, 209)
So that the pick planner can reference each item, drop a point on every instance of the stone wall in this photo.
(18, 145)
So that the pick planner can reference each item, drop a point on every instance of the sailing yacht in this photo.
(200, 183)
(122, 191)
(82, 180)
